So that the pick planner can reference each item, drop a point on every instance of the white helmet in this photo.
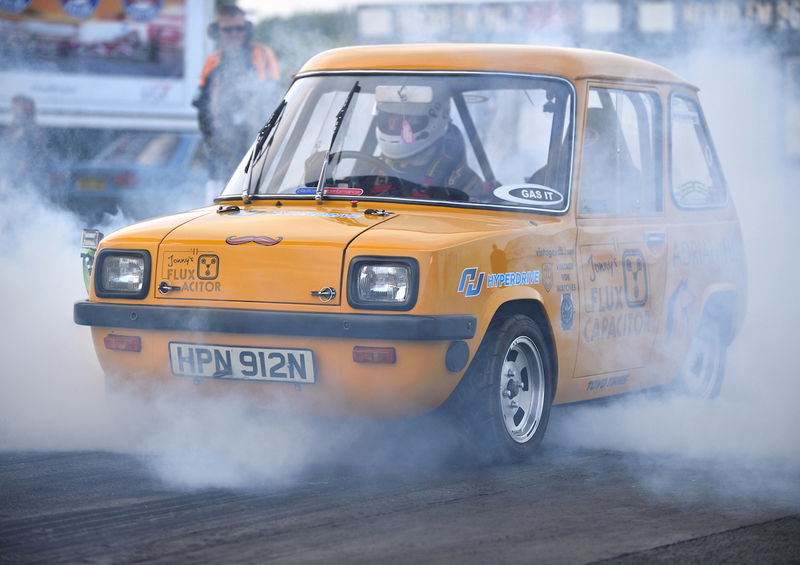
(410, 119)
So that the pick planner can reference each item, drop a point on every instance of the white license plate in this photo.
(206, 361)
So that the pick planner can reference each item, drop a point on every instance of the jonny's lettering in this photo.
(600, 266)
(172, 260)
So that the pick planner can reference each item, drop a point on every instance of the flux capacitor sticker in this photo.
(192, 270)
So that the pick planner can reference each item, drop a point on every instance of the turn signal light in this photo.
(123, 342)
(385, 355)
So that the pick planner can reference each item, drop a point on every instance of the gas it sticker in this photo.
(530, 194)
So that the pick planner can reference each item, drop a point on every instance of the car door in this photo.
(622, 237)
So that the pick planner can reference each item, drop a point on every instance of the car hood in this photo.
(273, 255)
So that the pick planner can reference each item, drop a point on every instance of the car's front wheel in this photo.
(505, 397)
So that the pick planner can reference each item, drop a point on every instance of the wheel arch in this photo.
(723, 305)
(534, 310)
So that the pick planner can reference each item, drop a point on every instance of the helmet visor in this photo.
(392, 123)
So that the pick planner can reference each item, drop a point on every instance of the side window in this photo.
(621, 171)
(696, 178)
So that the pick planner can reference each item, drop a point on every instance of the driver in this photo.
(419, 143)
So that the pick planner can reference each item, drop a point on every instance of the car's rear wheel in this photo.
(703, 369)
(503, 402)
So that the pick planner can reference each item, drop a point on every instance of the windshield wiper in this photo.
(336, 127)
(257, 152)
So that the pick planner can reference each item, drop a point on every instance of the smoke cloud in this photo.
(51, 386)
(743, 444)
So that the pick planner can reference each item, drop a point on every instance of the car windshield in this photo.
(472, 139)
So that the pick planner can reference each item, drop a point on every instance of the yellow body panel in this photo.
(573, 64)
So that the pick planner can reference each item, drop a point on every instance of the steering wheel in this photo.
(400, 186)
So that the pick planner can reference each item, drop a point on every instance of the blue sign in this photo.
(14, 6)
(79, 9)
(142, 10)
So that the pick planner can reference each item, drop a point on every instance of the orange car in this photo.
(484, 228)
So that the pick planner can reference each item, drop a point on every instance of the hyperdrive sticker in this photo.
(472, 281)
(14, 6)
(80, 9)
(142, 10)
(530, 194)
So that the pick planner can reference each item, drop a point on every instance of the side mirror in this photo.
(90, 239)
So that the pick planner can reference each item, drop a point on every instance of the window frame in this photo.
(704, 125)
(570, 117)
(658, 138)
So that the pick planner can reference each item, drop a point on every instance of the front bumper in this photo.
(242, 321)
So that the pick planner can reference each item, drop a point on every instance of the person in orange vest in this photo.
(238, 89)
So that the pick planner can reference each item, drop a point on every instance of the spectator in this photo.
(237, 91)
(24, 149)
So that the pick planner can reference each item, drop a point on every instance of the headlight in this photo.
(383, 283)
(122, 273)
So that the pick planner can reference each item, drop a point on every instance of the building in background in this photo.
(98, 71)
(124, 64)
(659, 30)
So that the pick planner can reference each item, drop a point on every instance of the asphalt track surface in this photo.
(564, 506)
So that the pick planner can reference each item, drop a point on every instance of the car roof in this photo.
(571, 63)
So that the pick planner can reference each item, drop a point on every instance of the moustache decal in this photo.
(259, 239)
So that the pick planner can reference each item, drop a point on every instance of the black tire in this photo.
(703, 369)
(502, 404)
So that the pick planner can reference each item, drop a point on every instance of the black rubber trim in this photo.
(232, 320)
